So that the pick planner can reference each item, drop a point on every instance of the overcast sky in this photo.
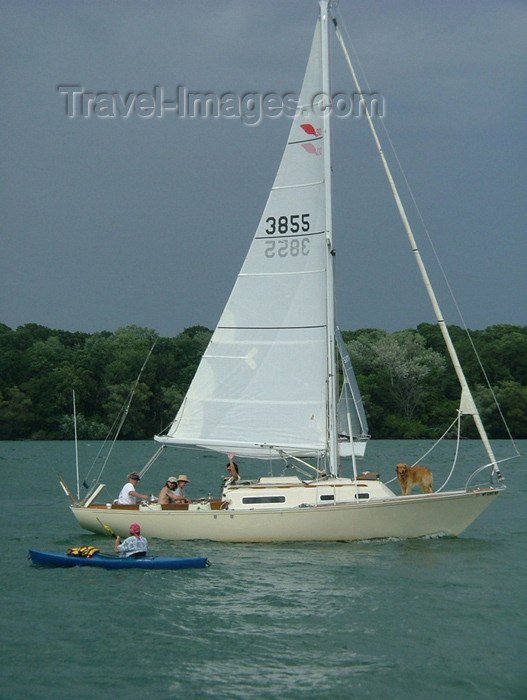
(108, 222)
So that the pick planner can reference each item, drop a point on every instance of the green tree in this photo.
(511, 397)
(17, 415)
(407, 382)
(394, 369)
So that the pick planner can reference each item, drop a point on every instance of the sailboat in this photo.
(276, 382)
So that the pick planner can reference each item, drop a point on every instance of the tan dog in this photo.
(409, 477)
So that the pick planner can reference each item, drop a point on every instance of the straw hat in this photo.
(183, 477)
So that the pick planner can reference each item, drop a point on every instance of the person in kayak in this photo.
(128, 493)
(133, 546)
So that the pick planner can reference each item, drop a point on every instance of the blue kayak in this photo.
(109, 561)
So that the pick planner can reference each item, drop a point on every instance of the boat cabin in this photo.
(281, 492)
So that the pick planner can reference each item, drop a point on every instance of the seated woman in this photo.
(179, 493)
(167, 495)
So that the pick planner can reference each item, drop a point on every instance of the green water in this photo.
(425, 619)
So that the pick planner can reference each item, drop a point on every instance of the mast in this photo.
(76, 445)
(330, 252)
(467, 404)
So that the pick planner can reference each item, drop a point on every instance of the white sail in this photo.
(351, 417)
(261, 388)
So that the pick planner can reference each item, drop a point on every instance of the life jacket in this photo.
(82, 551)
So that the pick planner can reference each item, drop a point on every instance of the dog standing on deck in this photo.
(409, 477)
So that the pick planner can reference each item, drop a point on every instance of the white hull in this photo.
(400, 516)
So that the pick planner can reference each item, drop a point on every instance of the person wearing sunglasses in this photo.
(166, 495)
(129, 493)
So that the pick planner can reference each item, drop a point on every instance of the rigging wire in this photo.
(420, 216)
(118, 423)
(458, 419)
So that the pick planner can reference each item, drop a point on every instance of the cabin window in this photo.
(247, 500)
(330, 497)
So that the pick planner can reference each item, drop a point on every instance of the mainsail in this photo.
(261, 388)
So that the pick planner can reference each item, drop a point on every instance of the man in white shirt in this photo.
(128, 494)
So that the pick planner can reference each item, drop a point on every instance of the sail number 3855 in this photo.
(287, 224)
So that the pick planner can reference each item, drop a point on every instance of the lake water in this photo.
(421, 619)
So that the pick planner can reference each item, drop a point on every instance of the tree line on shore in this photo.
(407, 382)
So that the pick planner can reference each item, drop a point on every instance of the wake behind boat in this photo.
(276, 382)
(109, 561)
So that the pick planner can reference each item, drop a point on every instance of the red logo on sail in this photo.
(309, 129)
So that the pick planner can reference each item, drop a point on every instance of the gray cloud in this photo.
(146, 221)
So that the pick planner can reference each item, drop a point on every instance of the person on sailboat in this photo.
(128, 493)
(234, 474)
(179, 494)
(167, 495)
(133, 546)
